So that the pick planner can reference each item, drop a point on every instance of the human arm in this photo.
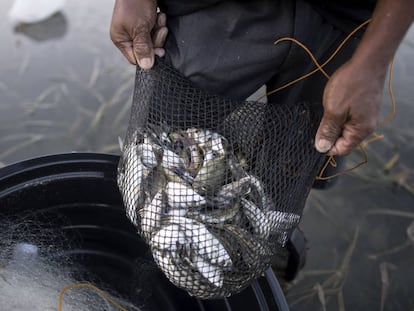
(352, 96)
(138, 31)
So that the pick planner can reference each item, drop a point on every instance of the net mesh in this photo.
(214, 185)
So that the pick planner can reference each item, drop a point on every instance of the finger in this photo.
(328, 132)
(159, 37)
(161, 20)
(352, 136)
(159, 52)
(343, 147)
(127, 50)
(143, 48)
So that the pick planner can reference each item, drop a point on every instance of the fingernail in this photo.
(145, 63)
(323, 145)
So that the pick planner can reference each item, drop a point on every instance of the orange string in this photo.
(78, 285)
(391, 93)
(319, 67)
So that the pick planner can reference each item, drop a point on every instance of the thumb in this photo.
(143, 48)
(329, 131)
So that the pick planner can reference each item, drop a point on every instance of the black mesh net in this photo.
(214, 185)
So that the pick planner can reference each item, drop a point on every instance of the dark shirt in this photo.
(343, 14)
(346, 15)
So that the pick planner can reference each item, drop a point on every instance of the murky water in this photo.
(61, 91)
(64, 87)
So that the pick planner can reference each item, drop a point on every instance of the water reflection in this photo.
(51, 28)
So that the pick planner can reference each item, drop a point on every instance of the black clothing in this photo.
(346, 15)
(226, 46)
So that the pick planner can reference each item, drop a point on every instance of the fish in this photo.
(179, 242)
(216, 143)
(236, 167)
(147, 154)
(182, 275)
(195, 159)
(151, 215)
(188, 150)
(202, 137)
(130, 181)
(259, 222)
(212, 174)
(169, 238)
(231, 192)
(174, 167)
(211, 273)
(203, 242)
(244, 244)
(214, 215)
(156, 181)
(284, 220)
(183, 196)
(264, 223)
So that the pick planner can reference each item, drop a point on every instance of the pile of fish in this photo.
(206, 219)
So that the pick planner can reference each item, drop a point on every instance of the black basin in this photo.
(81, 188)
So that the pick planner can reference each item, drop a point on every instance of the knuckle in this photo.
(142, 30)
(330, 131)
(367, 129)
(142, 48)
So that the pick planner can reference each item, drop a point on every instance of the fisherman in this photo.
(226, 47)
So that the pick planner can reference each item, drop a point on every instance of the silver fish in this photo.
(212, 273)
(173, 240)
(244, 244)
(232, 191)
(169, 238)
(283, 220)
(182, 196)
(195, 159)
(156, 181)
(202, 137)
(216, 143)
(177, 212)
(181, 274)
(265, 202)
(131, 182)
(147, 154)
(188, 150)
(174, 167)
(265, 223)
(204, 243)
(214, 215)
(236, 168)
(212, 173)
(151, 215)
(260, 223)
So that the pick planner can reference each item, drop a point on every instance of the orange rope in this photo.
(78, 285)
(319, 67)
(391, 93)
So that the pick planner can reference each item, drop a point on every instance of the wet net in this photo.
(213, 185)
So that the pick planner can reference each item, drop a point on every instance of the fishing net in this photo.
(214, 185)
(38, 270)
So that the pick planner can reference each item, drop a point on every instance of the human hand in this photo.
(351, 101)
(138, 31)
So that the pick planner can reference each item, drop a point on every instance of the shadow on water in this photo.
(52, 28)
(64, 87)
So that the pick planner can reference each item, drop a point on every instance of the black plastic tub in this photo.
(81, 187)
